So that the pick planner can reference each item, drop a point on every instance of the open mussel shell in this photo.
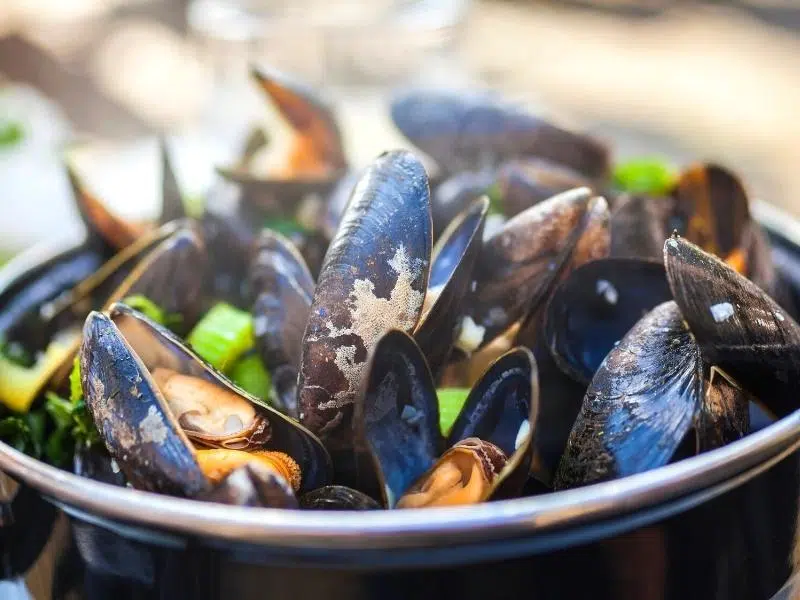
(373, 279)
(176, 390)
(397, 419)
(502, 409)
(230, 243)
(99, 220)
(271, 192)
(738, 327)
(283, 288)
(337, 497)
(253, 485)
(38, 284)
(519, 265)
(453, 259)
(596, 306)
(172, 207)
(640, 404)
(309, 114)
(465, 130)
(455, 195)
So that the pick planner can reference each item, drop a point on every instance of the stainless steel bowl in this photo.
(718, 525)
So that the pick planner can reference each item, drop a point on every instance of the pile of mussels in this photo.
(600, 333)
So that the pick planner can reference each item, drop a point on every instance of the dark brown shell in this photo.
(373, 279)
(738, 327)
(253, 485)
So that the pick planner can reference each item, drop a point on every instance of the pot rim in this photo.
(433, 527)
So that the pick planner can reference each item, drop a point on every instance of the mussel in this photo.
(158, 406)
(514, 323)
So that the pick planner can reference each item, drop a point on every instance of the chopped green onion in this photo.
(11, 133)
(451, 401)
(222, 336)
(250, 374)
(75, 388)
(495, 195)
(15, 432)
(59, 410)
(147, 307)
(644, 176)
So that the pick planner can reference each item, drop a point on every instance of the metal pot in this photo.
(720, 525)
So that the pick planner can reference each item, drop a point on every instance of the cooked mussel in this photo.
(155, 402)
(373, 279)
(282, 288)
(643, 401)
(401, 443)
(253, 484)
(470, 130)
(316, 157)
(337, 497)
(738, 327)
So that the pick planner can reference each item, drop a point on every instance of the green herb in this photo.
(451, 401)
(152, 310)
(11, 133)
(73, 427)
(25, 432)
(75, 388)
(287, 227)
(250, 374)
(222, 336)
(644, 176)
(495, 195)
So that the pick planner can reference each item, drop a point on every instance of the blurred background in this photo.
(705, 80)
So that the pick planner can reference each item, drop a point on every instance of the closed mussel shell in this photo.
(282, 287)
(596, 306)
(640, 404)
(639, 227)
(373, 279)
(738, 327)
(453, 260)
(397, 419)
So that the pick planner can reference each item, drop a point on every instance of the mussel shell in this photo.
(724, 415)
(337, 201)
(596, 306)
(149, 445)
(172, 207)
(229, 242)
(307, 112)
(252, 485)
(714, 206)
(519, 264)
(157, 345)
(397, 419)
(373, 279)
(463, 130)
(640, 404)
(455, 195)
(638, 227)
(738, 327)
(453, 259)
(39, 283)
(99, 220)
(172, 276)
(276, 194)
(282, 287)
(337, 497)
(522, 183)
(502, 408)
